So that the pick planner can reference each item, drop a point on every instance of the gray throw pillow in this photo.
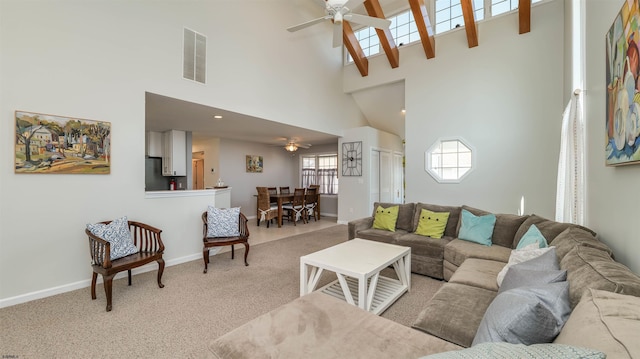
(526, 315)
(540, 270)
(535, 259)
(521, 277)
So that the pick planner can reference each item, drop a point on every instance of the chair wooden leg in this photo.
(232, 252)
(246, 253)
(93, 285)
(160, 271)
(205, 256)
(108, 289)
(129, 275)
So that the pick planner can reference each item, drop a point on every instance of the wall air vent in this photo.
(194, 56)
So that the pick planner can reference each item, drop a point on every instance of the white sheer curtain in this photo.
(571, 165)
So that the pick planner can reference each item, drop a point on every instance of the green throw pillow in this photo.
(386, 218)
(532, 236)
(432, 224)
(478, 229)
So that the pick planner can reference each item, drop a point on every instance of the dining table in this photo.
(280, 199)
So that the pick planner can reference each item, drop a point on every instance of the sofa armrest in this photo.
(358, 225)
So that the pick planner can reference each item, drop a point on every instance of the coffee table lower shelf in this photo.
(388, 291)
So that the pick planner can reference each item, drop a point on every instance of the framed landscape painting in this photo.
(57, 144)
(622, 126)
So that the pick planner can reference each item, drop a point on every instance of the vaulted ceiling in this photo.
(425, 30)
(381, 105)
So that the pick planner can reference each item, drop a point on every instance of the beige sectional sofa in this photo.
(604, 296)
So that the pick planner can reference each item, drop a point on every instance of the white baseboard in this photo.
(23, 298)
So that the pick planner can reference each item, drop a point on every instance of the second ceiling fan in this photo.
(339, 10)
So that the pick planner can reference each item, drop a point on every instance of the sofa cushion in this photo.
(505, 228)
(479, 273)
(535, 258)
(458, 250)
(380, 235)
(574, 236)
(532, 236)
(520, 351)
(454, 313)
(385, 218)
(606, 321)
(478, 229)
(549, 229)
(405, 214)
(589, 267)
(424, 246)
(526, 315)
(451, 229)
(320, 326)
(432, 224)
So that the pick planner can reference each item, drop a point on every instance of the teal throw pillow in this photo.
(532, 236)
(478, 229)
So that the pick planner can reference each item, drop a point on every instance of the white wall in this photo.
(96, 60)
(504, 97)
(280, 169)
(355, 193)
(613, 193)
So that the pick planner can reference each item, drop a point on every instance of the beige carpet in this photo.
(190, 310)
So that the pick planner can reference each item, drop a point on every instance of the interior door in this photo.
(398, 178)
(386, 177)
(197, 168)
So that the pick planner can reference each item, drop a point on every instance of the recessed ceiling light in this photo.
(217, 117)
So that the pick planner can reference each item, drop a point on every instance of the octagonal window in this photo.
(449, 160)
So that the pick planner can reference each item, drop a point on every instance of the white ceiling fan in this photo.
(292, 145)
(338, 10)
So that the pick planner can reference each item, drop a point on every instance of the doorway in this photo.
(197, 169)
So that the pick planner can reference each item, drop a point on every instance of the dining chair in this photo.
(272, 192)
(296, 208)
(310, 203)
(284, 190)
(266, 210)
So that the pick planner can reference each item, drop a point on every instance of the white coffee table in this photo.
(357, 264)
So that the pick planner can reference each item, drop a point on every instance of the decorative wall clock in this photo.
(352, 158)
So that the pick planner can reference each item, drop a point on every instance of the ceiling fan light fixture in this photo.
(291, 147)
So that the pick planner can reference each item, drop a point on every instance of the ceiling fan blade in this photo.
(368, 21)
(351, 4)
(337, 34)
(308, 23)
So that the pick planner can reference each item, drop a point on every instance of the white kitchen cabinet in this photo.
(174, 154)
(154, 144)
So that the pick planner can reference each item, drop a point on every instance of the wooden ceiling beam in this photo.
(469, 23)
(386, 39)
(524, 14)
(423, 24)
(354, 48)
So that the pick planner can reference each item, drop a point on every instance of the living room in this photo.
(505, 97)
